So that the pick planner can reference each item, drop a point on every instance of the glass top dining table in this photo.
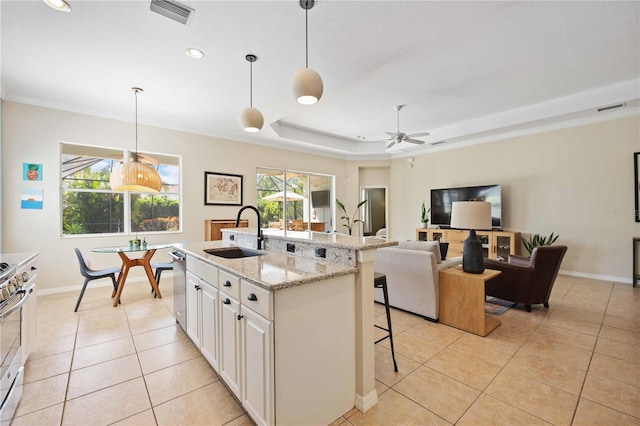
(128, 263)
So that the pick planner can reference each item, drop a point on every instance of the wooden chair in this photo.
(91, 274)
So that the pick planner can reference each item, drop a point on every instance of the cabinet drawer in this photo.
(206, 271)
(257, 299)
(456, 237)
(230, 284)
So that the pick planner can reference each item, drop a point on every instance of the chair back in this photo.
(546, 262)
(84, 269)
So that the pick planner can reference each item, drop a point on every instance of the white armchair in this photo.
(412, 269)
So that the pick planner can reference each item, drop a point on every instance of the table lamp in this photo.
(471, 215)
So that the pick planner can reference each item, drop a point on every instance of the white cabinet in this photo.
(193, 308)
(257, 366)
(209, 329)
(230, 342)
(202, 310)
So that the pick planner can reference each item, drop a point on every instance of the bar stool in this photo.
(380, 281)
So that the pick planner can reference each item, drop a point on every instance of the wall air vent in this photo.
(607, 108)
(173, 10)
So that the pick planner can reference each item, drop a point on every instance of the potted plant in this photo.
(537, 240)
(350, 221)
(424, 217)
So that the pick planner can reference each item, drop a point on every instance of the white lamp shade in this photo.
(251, 120)
(135, 176)
(471, 215)
(307, 86)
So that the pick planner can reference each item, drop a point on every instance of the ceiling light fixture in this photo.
(251, 118)
(134, 175)
(60, 5)
(194, 53)
(307, 83)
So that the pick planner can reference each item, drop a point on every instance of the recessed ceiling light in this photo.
(194, 53)
(60, 5)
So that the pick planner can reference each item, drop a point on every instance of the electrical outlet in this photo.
(574, 258)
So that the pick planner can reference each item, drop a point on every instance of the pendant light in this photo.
(251, 118)
(133, 175)
(307, 84)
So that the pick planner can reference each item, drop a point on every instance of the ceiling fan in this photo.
(399, 137)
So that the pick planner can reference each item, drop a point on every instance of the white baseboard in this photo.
(625, 280)
(364, 402)
(78, 287)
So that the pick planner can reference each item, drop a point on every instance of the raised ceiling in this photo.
(466, 72)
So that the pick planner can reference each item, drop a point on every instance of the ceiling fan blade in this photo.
(416, 141)
(417, 135)
(391, 144)
(390, 133)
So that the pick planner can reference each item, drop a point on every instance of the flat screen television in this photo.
(320, 198)
(441, 200)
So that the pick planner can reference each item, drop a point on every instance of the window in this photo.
(89, 206)
(308, 198)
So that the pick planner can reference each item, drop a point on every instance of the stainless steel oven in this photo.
(12, 298)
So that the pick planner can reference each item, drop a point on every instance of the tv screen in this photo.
(441, 200)
(320, 198)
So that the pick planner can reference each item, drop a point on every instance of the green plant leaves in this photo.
(537, 240)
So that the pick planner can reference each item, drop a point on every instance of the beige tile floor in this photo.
(575, 363)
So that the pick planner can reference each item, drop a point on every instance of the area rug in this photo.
(497, 306)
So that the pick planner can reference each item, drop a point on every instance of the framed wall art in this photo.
(636, 166)
(222, 189)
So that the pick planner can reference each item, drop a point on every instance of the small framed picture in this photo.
(31, 171)
(636, 165)
(222, 189)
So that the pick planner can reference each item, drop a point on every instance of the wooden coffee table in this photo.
(462, 300)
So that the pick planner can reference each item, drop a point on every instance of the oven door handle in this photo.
(17, 305)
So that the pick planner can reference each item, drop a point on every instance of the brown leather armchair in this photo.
(526, 280)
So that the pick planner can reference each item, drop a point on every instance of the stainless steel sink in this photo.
(233, 252)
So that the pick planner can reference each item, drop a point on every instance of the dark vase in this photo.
(444, 248)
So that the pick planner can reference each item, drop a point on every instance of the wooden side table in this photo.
(462, 300)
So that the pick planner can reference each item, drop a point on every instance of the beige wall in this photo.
(32, 134)
(577, 182)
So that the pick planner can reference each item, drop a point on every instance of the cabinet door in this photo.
(485, 239)
(193, 303)
(229, 361)
(257, 367)
(209, 330)
(29, 313)
(505, 243)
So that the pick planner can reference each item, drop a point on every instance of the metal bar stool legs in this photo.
(380, 281)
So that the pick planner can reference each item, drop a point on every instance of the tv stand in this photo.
(496, 244)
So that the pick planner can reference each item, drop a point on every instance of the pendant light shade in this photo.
(133, 175)
(307, 84)
(251, 118)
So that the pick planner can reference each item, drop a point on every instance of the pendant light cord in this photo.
(306, 38)
(135, 157)
(251, 84)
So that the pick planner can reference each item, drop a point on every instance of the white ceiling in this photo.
(467, 71)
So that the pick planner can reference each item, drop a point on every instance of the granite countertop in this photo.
(271, 271)
(320, 238)
(17, 258)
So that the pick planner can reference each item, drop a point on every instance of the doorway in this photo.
(374, 212)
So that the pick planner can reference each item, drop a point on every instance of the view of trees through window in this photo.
(89, 206)
(294, 201)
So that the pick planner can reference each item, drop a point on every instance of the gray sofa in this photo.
(412, 269)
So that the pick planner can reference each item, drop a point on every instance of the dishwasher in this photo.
(179, 287)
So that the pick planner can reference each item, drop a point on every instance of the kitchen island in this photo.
(290, 331)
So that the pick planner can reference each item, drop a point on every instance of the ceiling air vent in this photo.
(173, 10)
(437, 143)
(607, 108)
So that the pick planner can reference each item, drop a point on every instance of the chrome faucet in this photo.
(260, 236)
